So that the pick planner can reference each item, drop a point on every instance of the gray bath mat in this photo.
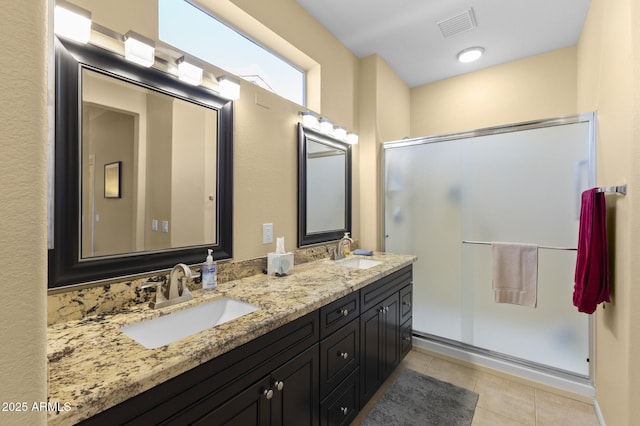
(416, 399)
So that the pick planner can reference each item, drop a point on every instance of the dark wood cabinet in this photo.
(342, 405)
(318, 369)
(234, 380)
(406, 311)
(249, 407)
(339, 355)
(339, 360)
(295, 385)
(381, 346)
(288, 396)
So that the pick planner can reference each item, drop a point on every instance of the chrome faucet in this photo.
(176, 291)
(337, 252)
(343, 247)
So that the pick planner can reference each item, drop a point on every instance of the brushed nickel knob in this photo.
(279, 385)
(268, 393)
(344, 312)
(344, 410)
(343, 355)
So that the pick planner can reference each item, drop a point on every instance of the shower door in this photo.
(511, 184)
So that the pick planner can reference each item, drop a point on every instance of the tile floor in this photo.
(501, 401)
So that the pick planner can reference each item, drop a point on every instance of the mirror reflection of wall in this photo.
(167, 149)
(325, 187)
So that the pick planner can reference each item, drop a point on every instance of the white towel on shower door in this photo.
(515, 273)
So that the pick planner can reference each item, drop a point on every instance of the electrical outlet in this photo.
(165, 226)
(154, 224)
(267, 233)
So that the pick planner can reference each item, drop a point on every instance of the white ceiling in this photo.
(406, 35)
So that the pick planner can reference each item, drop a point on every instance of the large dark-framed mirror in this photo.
(324, 187)
(143, 169)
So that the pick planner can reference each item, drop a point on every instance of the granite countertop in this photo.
(93, 366)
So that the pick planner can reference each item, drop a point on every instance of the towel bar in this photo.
(620, 189)
(488, 243)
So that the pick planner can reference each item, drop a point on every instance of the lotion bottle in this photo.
(209, 273)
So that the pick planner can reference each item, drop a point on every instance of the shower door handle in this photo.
(578, 182)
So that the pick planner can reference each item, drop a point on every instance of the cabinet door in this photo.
(250, 407)
(380, 344)
(371, 337)
(391, 334)
(296, 398)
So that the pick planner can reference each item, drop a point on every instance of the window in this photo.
(199, 34)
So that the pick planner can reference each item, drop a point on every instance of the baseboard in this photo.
(574, 389)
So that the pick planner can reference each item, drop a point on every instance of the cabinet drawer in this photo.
(338, 313)
(339, 356)
(406, 303)
(406, 333)
(379, 290)
(341, 406)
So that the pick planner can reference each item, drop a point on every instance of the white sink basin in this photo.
(359, 263)
(166, 329)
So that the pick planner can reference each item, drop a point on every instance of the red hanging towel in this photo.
(592, 265)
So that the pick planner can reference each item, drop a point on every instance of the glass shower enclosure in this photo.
(448, 197)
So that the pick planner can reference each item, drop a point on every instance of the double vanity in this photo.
(307, 348)
(313, 346)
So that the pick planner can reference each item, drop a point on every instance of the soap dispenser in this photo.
(209, 273)
(345, 244)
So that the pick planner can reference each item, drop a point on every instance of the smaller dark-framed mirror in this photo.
(324, 187)
(142, 169)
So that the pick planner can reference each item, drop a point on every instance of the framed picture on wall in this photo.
(112, 175)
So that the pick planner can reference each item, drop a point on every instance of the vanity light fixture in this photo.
(326, 126)
(340, 132)
(470, 54)
(229, 87)
(352, 138)
(188, 72)
(310, 119)
(72, 22)
(139, 49)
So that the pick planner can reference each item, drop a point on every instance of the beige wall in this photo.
(608, 69)
(541, 86)
(265, 144)
(23, 189)
(384, 101)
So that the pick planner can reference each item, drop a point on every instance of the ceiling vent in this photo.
(460, 23)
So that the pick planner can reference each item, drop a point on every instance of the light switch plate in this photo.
(165, 226)
(267, 233)
(154, 224)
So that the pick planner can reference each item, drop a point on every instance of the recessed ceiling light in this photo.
(471, 54)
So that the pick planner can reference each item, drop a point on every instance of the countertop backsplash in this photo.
(112, 297)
